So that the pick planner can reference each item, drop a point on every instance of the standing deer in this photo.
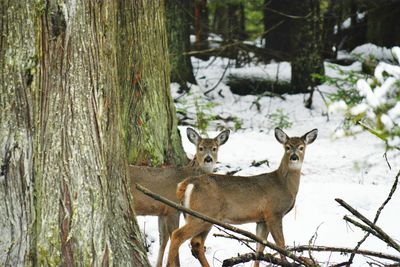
(264, 199)
(164, 180)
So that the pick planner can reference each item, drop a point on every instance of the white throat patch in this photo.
(208, 167)
(295, 165)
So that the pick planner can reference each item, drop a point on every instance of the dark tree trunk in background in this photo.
(229, 21)
(279, 26)
(331, 21)
(179, 18)
(383, 23)
(354, 35)
(201, 27)
(81, 85)
(307, 39)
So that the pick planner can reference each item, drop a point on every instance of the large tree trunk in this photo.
(179, 17)
(151, 125)
(307, 41)
(71, 74)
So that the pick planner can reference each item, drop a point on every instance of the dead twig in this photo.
(260, 257)
(224, 225)
(259, 163)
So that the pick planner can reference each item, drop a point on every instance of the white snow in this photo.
(370, 50)
(349, 167)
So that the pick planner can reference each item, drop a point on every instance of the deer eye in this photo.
(201, 148)
(301, 148)
(214, 149)
(287, 148)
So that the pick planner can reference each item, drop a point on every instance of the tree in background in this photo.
(201, 26)
(279, 26)
(82, 85)
(307, 48)
(179, 18)
(229, 20)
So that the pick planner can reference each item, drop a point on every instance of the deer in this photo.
(264, 199)
(164, 180)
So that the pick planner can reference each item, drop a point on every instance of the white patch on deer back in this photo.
(188, 193)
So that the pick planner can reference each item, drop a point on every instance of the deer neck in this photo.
(289, 176)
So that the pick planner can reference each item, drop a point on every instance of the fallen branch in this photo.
(260, 257)
(224, 225)
(345, 250)
(302, 248)
(385, 237)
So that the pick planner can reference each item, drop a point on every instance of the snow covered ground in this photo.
(352, 168)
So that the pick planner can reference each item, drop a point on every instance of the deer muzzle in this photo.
(208, 159)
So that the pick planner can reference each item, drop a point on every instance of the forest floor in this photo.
(336, 166)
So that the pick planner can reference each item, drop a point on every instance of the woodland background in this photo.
(85, 89)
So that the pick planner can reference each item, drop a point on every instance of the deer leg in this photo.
(262, 232)
(164, 235)
(277, 233)
(166, 225)
(192, 228)
(198, 250)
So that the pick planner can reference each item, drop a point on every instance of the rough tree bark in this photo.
(179, 17)
(76, 83)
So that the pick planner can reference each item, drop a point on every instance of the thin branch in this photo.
(220, 80)
(389, 197)
(224, 225)
(301, 248)
(232, 236)
(345, 250)
(362, 227)
(383, 235)
(287, 15)
(254, 256)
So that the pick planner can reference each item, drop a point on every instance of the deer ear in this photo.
(193, 136)
(281, 136)
(222, 137)
(310, 136)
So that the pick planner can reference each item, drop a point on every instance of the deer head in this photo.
(206, 148)
(294, 147)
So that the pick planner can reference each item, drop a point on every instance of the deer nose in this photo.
(294, 157)
(208, 159)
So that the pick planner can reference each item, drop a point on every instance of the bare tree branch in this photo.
(222, 224)
(345, 250)
(389, 197)
(381, 233)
